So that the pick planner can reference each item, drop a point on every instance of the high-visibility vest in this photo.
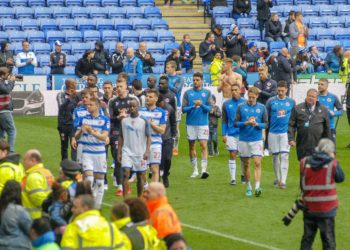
(318, 186)
(10, 171)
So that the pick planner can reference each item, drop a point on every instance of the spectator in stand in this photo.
(26, 60)
(117, 58)
(214, 115)
(241, 8)
(263, 9)
(174, 56)
(101, 59)
(303, 64)
(187, 54)
(58, 59)
(6, 56)
(207, 50)
(271, 63)
(298, 33)
(235, 42)
(252, 57)
(345, 67)
(132, 66)
(215, 69)
(15, 221)
(85, 65)
(219, 39)
(334, 59)
(42, 236)
(285, 68)
(146, 57)
(285, 26)
(273, 29)
(316, 61)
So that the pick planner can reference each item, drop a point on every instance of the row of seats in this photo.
(103, 3)
(161, 36)
(322, 46)
(295, 2)
(84, 12)
(83, 24)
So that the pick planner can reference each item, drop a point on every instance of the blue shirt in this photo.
(332, 102)
(176, 84)
(133, 67)
(158, 117)
(279, 112)
(91, 144)
(249, 133)
(197, 116)
(229, 109)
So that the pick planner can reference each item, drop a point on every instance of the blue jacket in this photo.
(332, 62)
(331, 102)
(229, 109)
(133, 67)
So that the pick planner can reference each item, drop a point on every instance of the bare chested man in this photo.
(227, 79)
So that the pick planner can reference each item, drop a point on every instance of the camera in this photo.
(297, 205)
(19, 78)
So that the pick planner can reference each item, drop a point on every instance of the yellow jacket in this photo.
(90, 230)
(215, 69)
(149, 234)
(344, 73)
(10, 169)
(36, 186)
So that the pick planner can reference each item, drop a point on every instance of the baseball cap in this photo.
(58, 43)
(251, 45)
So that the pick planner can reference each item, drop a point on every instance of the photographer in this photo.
(318, 174)
(7, 124)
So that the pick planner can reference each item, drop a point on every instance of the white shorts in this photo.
(95, 163)
(195, 133)
(136, 163)
(80, 153)
(155, 154)
(232, 144)
(278, 143)
(178, 114)
(250, 149)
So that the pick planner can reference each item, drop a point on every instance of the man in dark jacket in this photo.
(235, 42)
(241, 8)
(263, 8)
(85, 65)
(146, 57)
(285, 67)
(117, 58)
(310, 121)
(266, 86)
(273, 29)
(207, 50)
(219, 40)
(58, 59)
(252, 57)
(286, 24)
(101, 59)
(187, 53)
(6, 56)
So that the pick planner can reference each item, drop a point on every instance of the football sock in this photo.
(284, 166)
(90, 178)
(99, 191)
(276, 166)
(249, 185)
(257, 184)
(232, 168)
(204, 165)
(194, 163)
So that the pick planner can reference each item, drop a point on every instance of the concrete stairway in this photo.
(185, 18)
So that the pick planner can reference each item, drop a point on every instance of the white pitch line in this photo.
(230, 237)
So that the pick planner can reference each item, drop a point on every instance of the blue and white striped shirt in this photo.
(158, 116)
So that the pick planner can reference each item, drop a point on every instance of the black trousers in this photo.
(326, 226)
(118, 172)
(66, 135)
(167, 155)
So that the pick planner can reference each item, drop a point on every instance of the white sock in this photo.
(204, 165)
(284, 166)
(99, 187)
(194, 163)
(91, 179)
(249, 185)
(232, 168)
(257, 184)
(276, 166)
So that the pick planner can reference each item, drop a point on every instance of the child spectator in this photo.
(215, 69)
(187, 54)
(316, 61)
(303, 65)
(214, 116)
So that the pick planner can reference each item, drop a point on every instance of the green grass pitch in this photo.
(217, 215)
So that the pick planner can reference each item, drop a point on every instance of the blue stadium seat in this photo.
(306, 20)
(152, 12)
(253, 13)
(131, 44)
(104, 24)
(261, 44)
(36, 36)
(145, 3)
(168, 47)
(3, 36)
(347, 21)
(41, 48)
(44, 60)
(330, 44)
(221, 11)
(343, 10)
(30, 24)
(315, 2)
(24, 12)
(39, 71)
(276, 46)
(66, 24)
(43, 12)
(66, 48)
(17, 47)
(134, 12)
(316, 21)
(159, 69)
(165, 36)
(129, 35)
(336, 21)
(85, 24)
(61, 12)
(16, 36)
(323, 55)
(79, 48)
(284, 2)
(5, 3)
(55, 3)
(299, 2)
(110, 45)
(313, 33)
(98, 12)
(11, 24)
(91, 35)
(225, 22)
(310, 10)
(287, 9)
(23, 3)
(74, 3)
(116, 12)
(147, 36)
(54, 35)
(71, 60)
(318, 44)
(123, 3)
(109, 3)
(155, 48)
(279, 9)
(325, 34)
(141, 24)
(73, 36)
(48, 24)
(328, 10)
(7, 12)
(336, 2)
(346, 44)
(159, 24)
(35, 3)
(69, 70)
(92, 2)
(245, 23)
(342, 34)
(160, 59)
(122, 24)
(251, 34)
(109, 35)
(225, 32)
(79, 12)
